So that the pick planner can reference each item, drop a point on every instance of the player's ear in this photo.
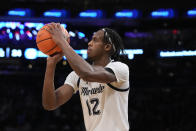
(107, 47)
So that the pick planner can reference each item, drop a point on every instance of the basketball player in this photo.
(103, 86)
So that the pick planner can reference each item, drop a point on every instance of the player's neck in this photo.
(103, 61)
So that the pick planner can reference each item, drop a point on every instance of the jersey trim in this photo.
(117, 89)
(78, 82)
(111, 86)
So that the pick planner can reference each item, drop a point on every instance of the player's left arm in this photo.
(77, 63)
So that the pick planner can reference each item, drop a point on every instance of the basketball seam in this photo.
(51, 49)
(44, 40)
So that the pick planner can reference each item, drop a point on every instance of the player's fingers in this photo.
(58, 25)
(50, 28)
(52, 25)
(55, 25)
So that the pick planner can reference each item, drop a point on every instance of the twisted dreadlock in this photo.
(113, 38)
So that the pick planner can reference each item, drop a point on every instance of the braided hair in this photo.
(113, 38)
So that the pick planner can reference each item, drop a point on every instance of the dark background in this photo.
(163, 90)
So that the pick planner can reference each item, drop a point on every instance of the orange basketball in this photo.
(45, 43)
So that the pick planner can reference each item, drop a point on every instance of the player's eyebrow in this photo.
(96, 36)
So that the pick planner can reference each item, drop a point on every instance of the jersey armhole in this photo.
(78, 82)
(113, 87)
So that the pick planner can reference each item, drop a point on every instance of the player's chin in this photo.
(89, 56)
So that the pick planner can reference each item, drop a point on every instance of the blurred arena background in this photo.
(160, 41)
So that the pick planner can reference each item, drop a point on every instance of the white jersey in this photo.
(105, 106)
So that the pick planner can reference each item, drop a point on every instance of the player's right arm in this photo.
(51, 98)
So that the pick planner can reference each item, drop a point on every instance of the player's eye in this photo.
(94, 39)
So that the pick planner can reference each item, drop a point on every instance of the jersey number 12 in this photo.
(95, 103)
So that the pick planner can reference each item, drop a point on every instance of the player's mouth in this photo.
(88, 51)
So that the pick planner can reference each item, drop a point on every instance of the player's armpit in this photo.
(63, 94)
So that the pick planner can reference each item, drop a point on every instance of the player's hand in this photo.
(58, 33)
(55, 58)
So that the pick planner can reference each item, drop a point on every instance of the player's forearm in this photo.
(48, 94)
(78, 64)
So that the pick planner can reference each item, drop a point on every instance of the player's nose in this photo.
(90, 43)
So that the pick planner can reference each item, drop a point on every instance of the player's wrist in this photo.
(51, 63)
(63, 42)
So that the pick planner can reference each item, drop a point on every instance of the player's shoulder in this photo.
(73, 73)
(118, 64)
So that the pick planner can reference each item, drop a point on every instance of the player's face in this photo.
(96, 45)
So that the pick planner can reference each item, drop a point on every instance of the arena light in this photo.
(34, 32)
(72, 34)
(7, 52)
(22, 32)
(81, 35)
(137, 34)
(19, 12)
(84, 53)
(91, 14)
(55, 13)
(16, 53)
(8, 31)
(33, 25)
(11, 25)
(29, 34)
(178, 53)
(21, 26)
(132, 52)
(163, 13)
(191, 13)
(2, 24)
(17, 36)
(41, 54)
(64, 25)
(33, 53)
(30, 53)
(38, 25)
(11, 35)
(127, 14)
(2, 52)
